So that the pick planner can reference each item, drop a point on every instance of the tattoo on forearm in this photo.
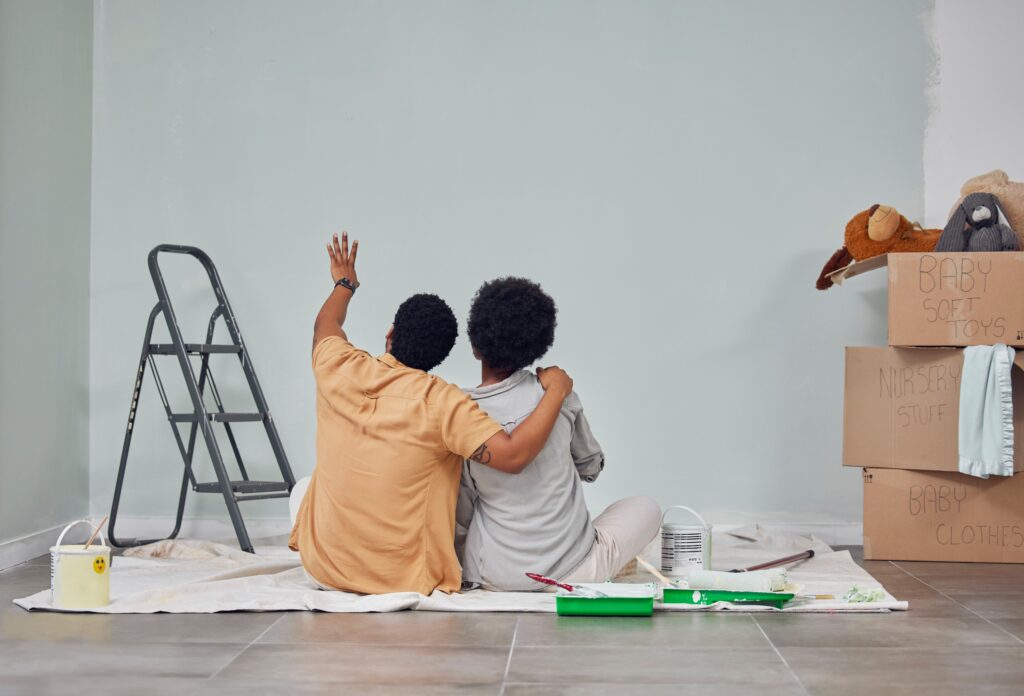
(482, 455)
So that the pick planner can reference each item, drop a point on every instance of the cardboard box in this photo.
(901, 408)
(932, 516)
(964, 299)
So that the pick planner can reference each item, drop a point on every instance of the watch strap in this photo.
(346, 283)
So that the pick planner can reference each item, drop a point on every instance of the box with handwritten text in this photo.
(901, 408)
(965, 299)
(941, 516)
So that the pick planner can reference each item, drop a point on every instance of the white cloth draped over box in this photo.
(986, 411)
(206, 577)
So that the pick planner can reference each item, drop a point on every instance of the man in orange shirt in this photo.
(378, 514)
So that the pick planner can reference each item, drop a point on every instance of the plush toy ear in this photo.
(1002, 217)
(840, 259)
(952, 239)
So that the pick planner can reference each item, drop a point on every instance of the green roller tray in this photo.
(676, 596)
(571, 605)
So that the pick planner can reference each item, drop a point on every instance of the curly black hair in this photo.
(425, 331)
(511, 323)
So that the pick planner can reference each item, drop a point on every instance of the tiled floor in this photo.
(963, 634)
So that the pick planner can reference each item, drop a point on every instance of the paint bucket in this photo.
(684, 546)
(79, 577)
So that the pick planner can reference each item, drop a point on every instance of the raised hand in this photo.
(343, 261)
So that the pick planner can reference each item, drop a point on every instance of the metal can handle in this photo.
(688, 509)
(103, 542)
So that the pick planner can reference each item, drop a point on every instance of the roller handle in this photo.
(809, 553)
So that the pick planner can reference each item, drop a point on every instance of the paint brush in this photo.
(657, 573)
(573, 589)
(95, 532)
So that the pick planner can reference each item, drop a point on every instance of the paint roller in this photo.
(773, 580)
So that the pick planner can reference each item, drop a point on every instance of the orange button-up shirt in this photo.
(379, 513)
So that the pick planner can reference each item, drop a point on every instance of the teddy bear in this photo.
(978, 224)
(1009, 193)
(878, 230)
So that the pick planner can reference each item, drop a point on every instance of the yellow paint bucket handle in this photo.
(103, 542)
(689, 510)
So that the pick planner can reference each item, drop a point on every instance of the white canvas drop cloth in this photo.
(199, 577)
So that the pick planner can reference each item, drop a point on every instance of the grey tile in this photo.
(899, 629)
(121, 686)
(854, 689)
(678, 689)
(235, 627)
(950, 568)
(974, 584)
(370, 664)
(884, 670)
(21, 581)
(43, 560)
(241, 687)
(38, 658)
(666, 629)
(647, 665)
(932, 604)
(881, 568)
(1014, 626)
(923, 600)
(993, 605)
(399, 628)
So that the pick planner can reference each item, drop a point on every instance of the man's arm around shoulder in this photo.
(512, 452)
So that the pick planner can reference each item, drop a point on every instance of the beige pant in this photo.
(623, 530)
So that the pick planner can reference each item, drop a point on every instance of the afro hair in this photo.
(425, 331)
(511, 323)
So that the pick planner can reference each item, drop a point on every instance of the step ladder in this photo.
(200, 419)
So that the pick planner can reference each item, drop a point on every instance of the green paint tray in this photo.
(623, 600)
(680, 596)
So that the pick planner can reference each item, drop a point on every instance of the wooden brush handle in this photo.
(96, 531)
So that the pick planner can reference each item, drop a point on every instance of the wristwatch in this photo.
(346, 283)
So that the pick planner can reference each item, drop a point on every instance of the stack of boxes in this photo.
(901, 410)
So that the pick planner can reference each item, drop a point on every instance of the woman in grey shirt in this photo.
(536, 521)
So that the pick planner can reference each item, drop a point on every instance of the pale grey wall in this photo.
(674, 173)
(963, 141)
(45, 145)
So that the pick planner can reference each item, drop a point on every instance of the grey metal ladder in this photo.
(201, 418)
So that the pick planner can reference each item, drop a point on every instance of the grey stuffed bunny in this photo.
(978, 224)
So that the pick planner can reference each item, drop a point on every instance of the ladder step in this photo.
(219, 417)
(244, 486)
(195, 348)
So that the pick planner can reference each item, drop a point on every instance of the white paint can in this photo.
(684, 546)
(79, 576)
